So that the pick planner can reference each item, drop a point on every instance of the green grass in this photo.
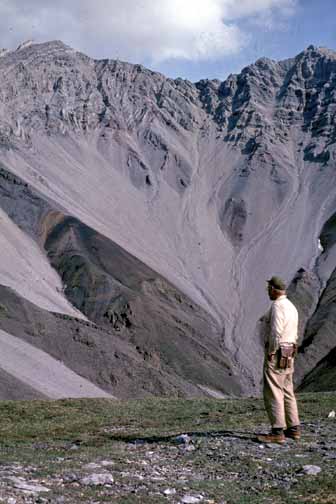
(45, 433)
(25, 421)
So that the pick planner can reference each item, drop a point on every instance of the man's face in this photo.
(271, 292)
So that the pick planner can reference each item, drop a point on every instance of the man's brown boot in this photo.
(293, 432)
(275, 436)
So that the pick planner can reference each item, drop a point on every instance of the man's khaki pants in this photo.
(279, 398)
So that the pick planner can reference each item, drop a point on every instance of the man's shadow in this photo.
(173, 439)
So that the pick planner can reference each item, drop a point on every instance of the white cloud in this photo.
(139, 30)
(234, 9)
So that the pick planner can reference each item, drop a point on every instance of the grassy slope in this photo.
(50, 440)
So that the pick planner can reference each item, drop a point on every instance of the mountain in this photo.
(154, 210)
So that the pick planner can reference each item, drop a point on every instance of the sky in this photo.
(192, 39)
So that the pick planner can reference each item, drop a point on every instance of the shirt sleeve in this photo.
(277, 326)
(266, 327)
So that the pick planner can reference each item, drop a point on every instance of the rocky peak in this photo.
(64, 89)
(46, 47)
(314, 66)
(307, 96)
(25, 44)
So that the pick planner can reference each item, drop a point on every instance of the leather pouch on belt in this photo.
(285, 356)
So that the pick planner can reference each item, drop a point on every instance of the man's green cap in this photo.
(277, 283)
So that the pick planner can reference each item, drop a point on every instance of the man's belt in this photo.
(285, 355)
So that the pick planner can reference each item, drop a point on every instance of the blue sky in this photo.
(313, 22)
(192, 39)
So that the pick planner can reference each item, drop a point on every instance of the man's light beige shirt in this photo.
(283, 323)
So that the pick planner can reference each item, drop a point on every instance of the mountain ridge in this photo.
(214, 185)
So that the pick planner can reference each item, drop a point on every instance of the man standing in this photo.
(280, 348)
